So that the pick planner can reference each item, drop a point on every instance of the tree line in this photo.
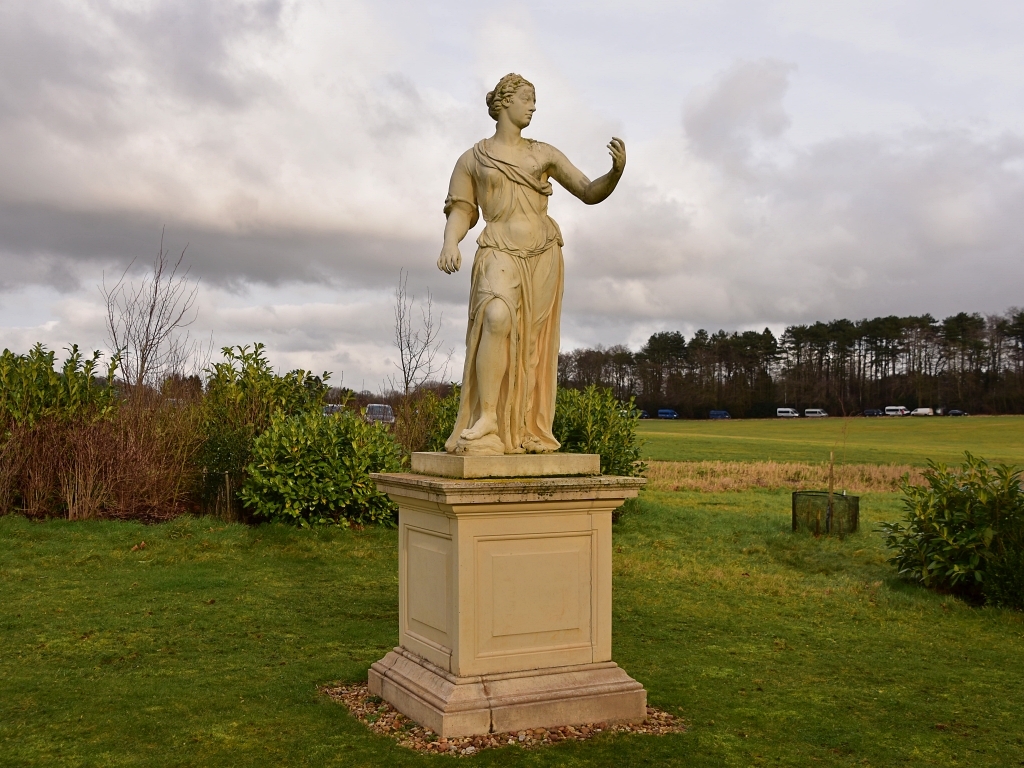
(964, 361)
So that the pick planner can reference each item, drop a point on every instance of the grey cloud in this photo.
(68, 62)
(43, 244)
(926, 220)
(185, 44)
(743, 104)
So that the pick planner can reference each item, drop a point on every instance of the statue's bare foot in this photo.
(532, 445)
(485, 425)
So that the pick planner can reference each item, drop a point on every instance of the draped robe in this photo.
(519, 262)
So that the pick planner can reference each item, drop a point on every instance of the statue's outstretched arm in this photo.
(573, 179)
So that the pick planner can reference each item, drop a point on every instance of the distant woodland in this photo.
(965, 361)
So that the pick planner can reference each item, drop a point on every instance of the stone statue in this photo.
(515, 300)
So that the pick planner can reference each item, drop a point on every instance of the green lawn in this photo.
(867, 441)
(206, 647)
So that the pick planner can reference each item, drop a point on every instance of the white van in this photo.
(787, 413)
(896, 410)
(815, 413)
(922, 412)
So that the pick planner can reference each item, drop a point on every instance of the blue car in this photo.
(667, 413)
(719, 415)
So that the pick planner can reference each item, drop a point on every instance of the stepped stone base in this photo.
(512, 701)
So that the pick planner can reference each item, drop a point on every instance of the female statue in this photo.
(515, 302)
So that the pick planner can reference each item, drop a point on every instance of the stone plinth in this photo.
(505, 591)
(514, 465)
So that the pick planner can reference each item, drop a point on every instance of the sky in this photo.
(787, 162)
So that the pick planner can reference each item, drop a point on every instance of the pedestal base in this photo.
(513, 701)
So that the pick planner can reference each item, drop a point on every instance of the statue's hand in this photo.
(450, 259)
(617, 149)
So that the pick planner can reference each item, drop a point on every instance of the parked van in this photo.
(380, 412)
(787, 413)
(922, 412)
(896, 410)
(719, 415)
(667, 413)
(815, 413)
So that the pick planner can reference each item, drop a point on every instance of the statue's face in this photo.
(522, 106)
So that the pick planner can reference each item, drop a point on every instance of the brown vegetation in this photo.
(714, 476)
(137, 463)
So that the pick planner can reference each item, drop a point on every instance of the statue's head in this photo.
(505, 91)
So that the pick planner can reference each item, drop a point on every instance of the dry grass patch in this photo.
(716, 476)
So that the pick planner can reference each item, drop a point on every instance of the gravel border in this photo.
(380, 717)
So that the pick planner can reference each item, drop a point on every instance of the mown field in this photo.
(207, 647)
(906, 440)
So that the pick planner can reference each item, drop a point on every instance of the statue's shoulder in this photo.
(466, 160)
(542, 150)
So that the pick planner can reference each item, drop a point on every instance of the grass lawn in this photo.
(867, 441)
(206, 647)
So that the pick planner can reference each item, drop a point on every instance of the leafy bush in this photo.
(424, 419)
(593, 421)
(586, 421)
(31, 387)
(312, 469)
(445, 413)
(243, 396)
(963, 532)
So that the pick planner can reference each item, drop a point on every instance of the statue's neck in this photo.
(508, 134)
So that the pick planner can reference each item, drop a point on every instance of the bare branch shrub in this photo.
(421, 364)
(420, 359)
(146, 321)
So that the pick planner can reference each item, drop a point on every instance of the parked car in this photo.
(643, 415)
(815, 413)
(332, 408)
(380, 412)
(667, 413)
(956, 412)
(787, 413)
(896, 410)
(719, 415)
(873, 412)
(922, 412)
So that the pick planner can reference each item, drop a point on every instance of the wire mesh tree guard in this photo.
(825, 514)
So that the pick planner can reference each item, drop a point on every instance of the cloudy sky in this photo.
(788, 161)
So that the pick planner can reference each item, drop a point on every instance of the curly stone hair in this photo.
(505, 89)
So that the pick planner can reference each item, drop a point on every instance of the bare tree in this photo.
(419, 351)
(146, 320)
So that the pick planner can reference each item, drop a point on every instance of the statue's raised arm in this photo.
(573, 179)
(509, 382)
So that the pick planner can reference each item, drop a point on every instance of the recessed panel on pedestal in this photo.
(429, 575)
(534, 596)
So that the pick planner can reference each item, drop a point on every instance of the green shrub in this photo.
(586, 421)
(443, 413)
(310, 469)
(243, 396)
(963, 532)
(593, 421)
(32, 388)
